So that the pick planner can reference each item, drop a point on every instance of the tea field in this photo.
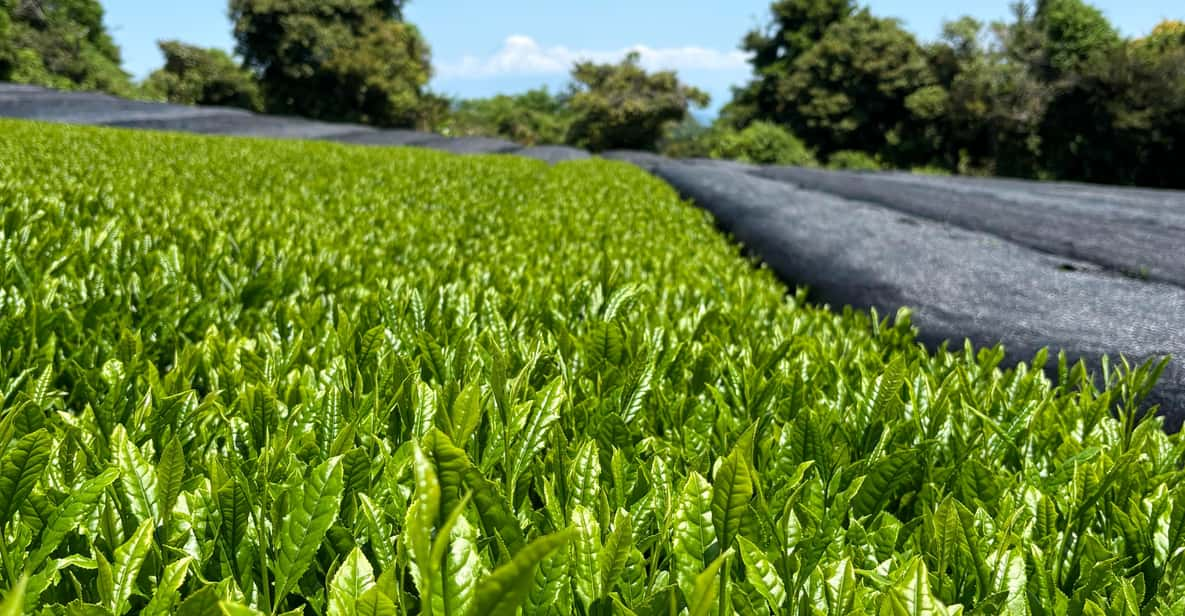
(259, 377)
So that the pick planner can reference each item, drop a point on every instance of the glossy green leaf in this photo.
(702, 600)
(586, 552)
(129, 557)
(170, 472)
(313, 506)
(762, 575)
(375, 603)
(167, 591)
(910, 595)
(616, 550)
(584, 477)
(420, 524)
(732, 488)
(137, 476)
(504, 590)
(20, 470)
(457, 474)
(692, 531)
(351, 581)
(456, 548)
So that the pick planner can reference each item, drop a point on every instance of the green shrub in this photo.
(762, 143)
(63, 45)
(196, 76)
(7, 58)
(622, 106)
(535, 117)
(853, 160)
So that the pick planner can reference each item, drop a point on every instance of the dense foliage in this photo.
(303, 376)
(7, 57)
(61, 44)
(605, 106)
(853, 160)
(348, 60)
(197, 76)
(849, 89)
(1055, 92)
(623, 106)
(763, 143)
(535, 117)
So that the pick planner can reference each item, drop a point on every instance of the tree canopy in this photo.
(623, 106)
(197, 76)
(1054, 92)
(62, 44)
(1075, 34)
(6, 50)
(347, 60)
(795, 26)
(852, 90)
(838, 77)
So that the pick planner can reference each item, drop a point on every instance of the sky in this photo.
(481, 48)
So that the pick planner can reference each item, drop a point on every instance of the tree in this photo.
(6, 51)
(795, 27)
(62, 44)
(1121, 120)
(763, 143)
(623, 106)
(995, 100)
(852, 90)
(1075, 34)
(196, 76)
(1167, 36)
(348, 60)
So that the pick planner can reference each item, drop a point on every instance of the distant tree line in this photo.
(61, 44)
(337, 60)
(1055, 92)
(606, 106)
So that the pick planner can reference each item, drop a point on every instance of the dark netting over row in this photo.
(1133, 233)
(959, 283)
(553, 153)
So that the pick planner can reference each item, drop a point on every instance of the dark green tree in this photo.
(623, 106)
(1121, 120)
(995, 99)
(1075, 34)
(62, 44)
(198, 76)
(6, 51)
(763, 143)
(863, 86)
(350, 60)
(795, 27)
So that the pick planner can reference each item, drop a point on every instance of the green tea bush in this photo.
(257, 377)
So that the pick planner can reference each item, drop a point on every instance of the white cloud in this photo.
(522, 55)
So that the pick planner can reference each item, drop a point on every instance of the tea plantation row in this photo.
(256, 377)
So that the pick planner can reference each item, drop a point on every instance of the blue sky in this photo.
(481, 48)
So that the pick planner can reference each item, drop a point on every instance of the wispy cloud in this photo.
(522, 55)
